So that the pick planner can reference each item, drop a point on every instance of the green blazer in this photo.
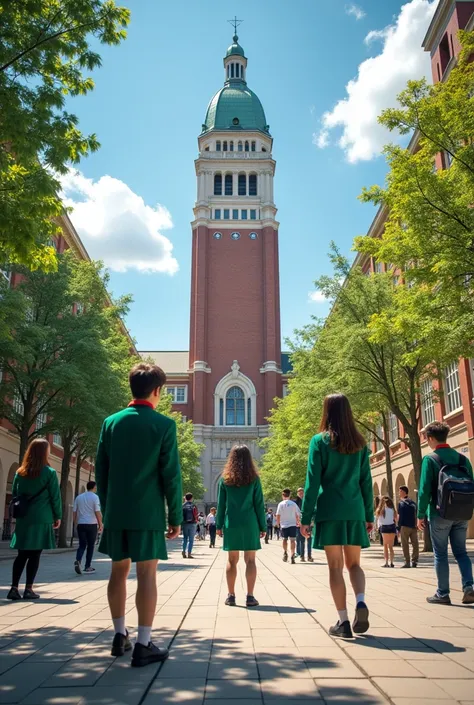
(239, 507)
(35, 531)
(338, 486)
(137, 468)
(429, 480)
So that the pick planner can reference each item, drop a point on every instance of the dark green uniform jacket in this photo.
(241, 514)
(35, 531)
(429, 479)
(137, 468)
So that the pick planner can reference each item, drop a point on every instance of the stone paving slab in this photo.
(57, 651)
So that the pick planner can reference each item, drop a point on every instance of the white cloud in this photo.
(355, 11)
(316, 297)
(378, 82)
(117, 226)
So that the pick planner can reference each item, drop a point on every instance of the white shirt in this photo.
(86, 505)
(211, 519)
(388, 519)
(289, 512)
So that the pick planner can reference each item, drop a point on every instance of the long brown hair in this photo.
(339, 423)
(36, 457)
(240, 470)
(385, 503)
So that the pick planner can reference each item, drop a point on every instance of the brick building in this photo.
(234, 369)
(456, 404)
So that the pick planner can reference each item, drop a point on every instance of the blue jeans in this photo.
(189, 532)
(87, 534)
(456, 531)
(300, 541)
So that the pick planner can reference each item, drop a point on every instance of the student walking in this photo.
(269, 534)
(276, 527)
(338, 492)
(408, 528)
(202, 526)
(241, 517)
(448, 511)
(300, 539)
(88, 521)
(190, 525)
(288, 518)
(387, 525)
(211, 527)
(36, 487)
(137, 470)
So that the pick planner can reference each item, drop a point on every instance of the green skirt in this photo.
(136, 545)
(33, 537)
(340, 533)
(241, 539)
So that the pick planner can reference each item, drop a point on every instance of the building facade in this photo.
(234, 369)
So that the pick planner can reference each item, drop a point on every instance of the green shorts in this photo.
(136, 545)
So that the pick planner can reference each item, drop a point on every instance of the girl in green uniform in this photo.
(339, 492)
(35, 531)
(241, 516)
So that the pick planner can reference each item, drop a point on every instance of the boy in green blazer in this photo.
(137, 469)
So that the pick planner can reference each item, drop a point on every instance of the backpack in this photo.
(454, 495)
(19, 505)
(188, 513)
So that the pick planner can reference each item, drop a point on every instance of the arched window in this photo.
(224, 146)
(232, 69)
(228, 184)
(217, 184)
(242, 184)
(253, 185)
(246, 146)
(253, 146)
(218, 146)
(235, 407)
(240, 147)
(237, 70)
(231, 147)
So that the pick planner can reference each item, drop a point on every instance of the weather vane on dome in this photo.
(235, 23)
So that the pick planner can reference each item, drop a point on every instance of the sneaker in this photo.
(341, 630)
(293, 560)
(144, 655)
(30, 595)
(310, 559)
(230, 601)
(251, 601)
(90, 569)
(361, 620)
(468, 597)
(439, 599)
(285, 557)
(78, 567)
(302, 559)
(406, 565)
(184, 554)
(14, 594)
(121, 644)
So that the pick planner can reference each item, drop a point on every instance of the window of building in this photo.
(231, 147)
(240, 146)
(226, 214)
(235, 214)
(79, 308)
(235, 407)
(285, 390)
(253, 214)
(217, 184)
(448, 159)
(224, 146)
(427, 402)
(444, 53)
(6, 274)
(232, 70)
(264, 149)
(253, 236)
(228, 185)
(235, 236)
(18, 404)
(247, 146)
(178, 394)
(41, 419)
(378, 267)
(217, 214)
(218, 146)
(242, 184)
(392, 428)
(253, 185)
(452, 388)
(395, 280)
(254, 146)
(206, 149)
(57, 440)
(378, 438)
(218, 236)
(243, 214)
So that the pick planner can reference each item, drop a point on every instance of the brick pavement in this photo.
(57, 651)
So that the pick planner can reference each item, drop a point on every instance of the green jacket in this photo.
(429, 480)
(338, 486)
(47, 507)
(137, 468)
(239, 507)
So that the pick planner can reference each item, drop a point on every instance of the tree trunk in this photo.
(388, 467)
(63, 485)
(24, 437)
(79, 462)
(417, 457)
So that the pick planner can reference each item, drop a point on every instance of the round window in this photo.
(236, 121)
(235, 236)
(253, 236)
(218, 236)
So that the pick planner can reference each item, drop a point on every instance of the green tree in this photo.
(44, 54)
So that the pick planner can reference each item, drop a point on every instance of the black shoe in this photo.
(251, 601)
(285, 557)
(184, 554)
(439, 599)
(14, 594)
(230, 601)
(414, 564)
(30, 595)
(360, 625)
(121, 644)
(468, 597)
(342, 631)
(391, 565)
(293, 560)
(302, 559)
(407, 565)
(190, 555)
(144, 655)
(77, 567)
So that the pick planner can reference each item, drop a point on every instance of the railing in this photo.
(235, 155)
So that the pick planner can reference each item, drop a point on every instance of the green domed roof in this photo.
(235, 49)
(235, 107)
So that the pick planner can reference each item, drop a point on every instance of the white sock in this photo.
(343, 616)
(360, 597)
(144, 635)
(119, 625)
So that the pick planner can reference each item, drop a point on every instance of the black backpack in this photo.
(454, 495)
(188, 513)
(19, 505)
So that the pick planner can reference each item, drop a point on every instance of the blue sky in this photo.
(147, 108)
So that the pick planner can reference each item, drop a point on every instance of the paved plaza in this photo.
(57, 651)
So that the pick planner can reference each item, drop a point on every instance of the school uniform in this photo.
(241, 515)
(137, 469)
(339, 493)
(34, 532)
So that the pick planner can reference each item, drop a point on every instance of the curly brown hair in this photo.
(240, 469)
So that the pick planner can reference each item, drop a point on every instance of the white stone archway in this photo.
(235, 378)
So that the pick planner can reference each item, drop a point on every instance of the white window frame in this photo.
(172, 390)
(18, 404)
(286, 390)
(378, 267)
(392, 428)
(452, 388)
(41, 418)
(428, 414)
(57, 440)
(7, 275)
(378, 443)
